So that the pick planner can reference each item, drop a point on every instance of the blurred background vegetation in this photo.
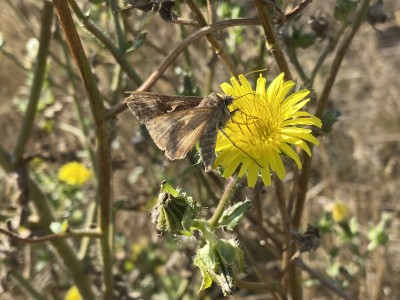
(353, 189)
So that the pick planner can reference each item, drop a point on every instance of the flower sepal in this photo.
(174, 211)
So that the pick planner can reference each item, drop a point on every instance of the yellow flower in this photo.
(73, 294)
(266, 121)
(340, 212)
(74, 173)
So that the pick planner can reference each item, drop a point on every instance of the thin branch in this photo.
(279, 191)
(54, 236)
(261, 286)
(218, 49)
(295, 11)
(272, 42)
(171, 57)
(300, 188)
(63, 249)
(85, 241)
(325, 281)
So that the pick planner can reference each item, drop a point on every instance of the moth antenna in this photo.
(256, 71)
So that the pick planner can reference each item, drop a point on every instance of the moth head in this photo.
(228, 100)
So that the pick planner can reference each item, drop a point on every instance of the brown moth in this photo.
(175, 123)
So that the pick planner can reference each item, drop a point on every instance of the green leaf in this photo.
(354, 226)
(334, 252)
(343, 8)
(377, 234)
(206, 282)
(328, 119)
(325, 224)
(58, 227)
(220, 261)
(166, 188)
(333, 269)
(305, 40)
(231, 217)
(134, 45)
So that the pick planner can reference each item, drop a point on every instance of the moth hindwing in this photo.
(175, 123)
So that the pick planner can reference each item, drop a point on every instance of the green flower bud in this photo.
(174, 211)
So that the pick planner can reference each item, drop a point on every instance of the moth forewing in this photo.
(177, 132)
(146, 105)
(175, 123)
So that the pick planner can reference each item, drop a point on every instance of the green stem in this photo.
(223, 203)
(328, 49)
(117, 24)
(103, 151)
(337, 61)
(291, 51)
(85, 241)
(64, 250)
(52, 236)
(115, 52)
(79, 110)
(38, 79)
(13, 59)
(26, 284)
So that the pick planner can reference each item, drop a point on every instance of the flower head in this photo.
(74, 173)
(266, 122)
(73, 294)
(340, 211)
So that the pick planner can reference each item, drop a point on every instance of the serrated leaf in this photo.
(166, 188)
(206, 282)
(227, 251)
(207, 257)
(231, 217)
